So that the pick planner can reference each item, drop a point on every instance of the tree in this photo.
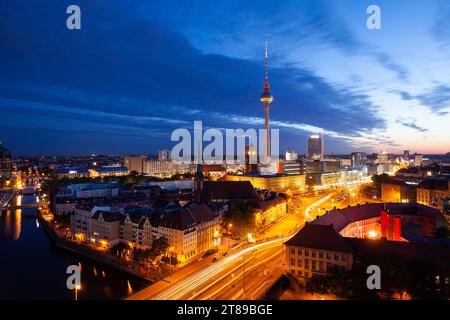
(159, 247)
(241, 215)
(120, 248)
(317, 284)
(141, 255)
(379, 179)
(337, 281)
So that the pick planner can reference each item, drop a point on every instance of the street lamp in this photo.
(78, 287)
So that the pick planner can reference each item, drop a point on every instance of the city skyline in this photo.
(85, 90)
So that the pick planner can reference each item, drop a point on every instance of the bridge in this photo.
(27, 206)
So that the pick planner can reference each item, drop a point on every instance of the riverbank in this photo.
(85, 251)
(5, 198)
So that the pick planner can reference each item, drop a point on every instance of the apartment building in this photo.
(137, 230)
(105, 228)
(190, 231)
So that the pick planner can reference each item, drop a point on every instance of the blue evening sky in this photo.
(137, 70)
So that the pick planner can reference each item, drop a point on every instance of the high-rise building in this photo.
(359, 159)
(383, 157)
(135, 163)
(418, 160)
(315, 147)
(406, 155)
(164, 155)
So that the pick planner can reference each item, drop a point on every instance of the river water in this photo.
(31, 267)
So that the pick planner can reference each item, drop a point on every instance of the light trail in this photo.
(236, 278)
(315, 204)
(189, 284)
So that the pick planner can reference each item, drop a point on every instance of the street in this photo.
(248, 270)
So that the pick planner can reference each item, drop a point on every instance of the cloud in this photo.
(441, 26)
(405, 95)
(144, 74)
(437, 99)
(386, 61)
(410, 123)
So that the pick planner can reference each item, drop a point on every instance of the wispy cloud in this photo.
(437, 99)
(411, 123)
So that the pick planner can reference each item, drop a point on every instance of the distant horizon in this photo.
(156, 154)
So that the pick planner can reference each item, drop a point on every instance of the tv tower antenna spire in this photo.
(266, 99)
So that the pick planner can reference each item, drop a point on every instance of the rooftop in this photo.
(111, 169)
(340, 218)
(316, 236)
(434, 184)
(233, 190)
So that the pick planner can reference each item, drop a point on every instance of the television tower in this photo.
(266, 99)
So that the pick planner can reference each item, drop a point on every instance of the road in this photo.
(197, 283)
(220, 280)
(249, 271)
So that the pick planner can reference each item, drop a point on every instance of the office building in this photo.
(291, 167)
(383, 157)
(135, 163)
(291, 155)
(164, 155)
(358, 159)
(315, 147)
(418, 160)
(278, 182)
(406, 155)
(160, 169)
(434, 193)
(72, 172)
(397, 190)
(108, 171)
(93, 190)
(336, 239)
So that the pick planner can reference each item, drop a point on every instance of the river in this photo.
(31, 267)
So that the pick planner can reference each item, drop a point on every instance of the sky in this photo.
(137, 70)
